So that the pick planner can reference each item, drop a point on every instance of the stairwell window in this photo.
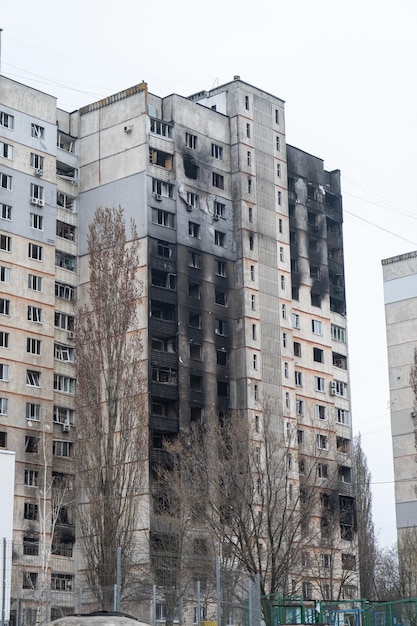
(3, 406)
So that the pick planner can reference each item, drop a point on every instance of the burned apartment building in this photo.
(243, 305)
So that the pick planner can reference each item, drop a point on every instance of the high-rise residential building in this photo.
(400, 296)
(243, 290)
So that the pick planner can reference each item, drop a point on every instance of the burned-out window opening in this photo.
(191, 168)
(160, 158)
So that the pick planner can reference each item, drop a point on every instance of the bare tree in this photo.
(242, 490)
(111, 448)
(39, 541)
(367, 543)
(387, 575)
(407, 561)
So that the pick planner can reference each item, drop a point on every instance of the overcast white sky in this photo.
(347, 71)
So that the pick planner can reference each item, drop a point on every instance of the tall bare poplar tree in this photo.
(111, 449)
(367, 543)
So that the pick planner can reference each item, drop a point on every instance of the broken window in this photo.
(221, 327)
(65, 142)
(196, 383)
(64, 230)
(315, 272)
(322, 442)
(220, 268)
(342, 445)
(65, 260)
(312, 219)
(162, 311)
(66, 171)
(32, 445)
(315, 299)
(222, 357)
(342, 416)
(64, 201)
(64, 383)
(195, 351)
(164, 375)
(191, 168)
(218, 180)
(221, 297)
(194, 259)
(222, 389)
(194, 320)
(37, 131)
(219, 238)
(194, 290)
(340, 361)
(344, 474)
(160, 158)
(318, 355)
(163, 279)
(219, 209)
(194, 230)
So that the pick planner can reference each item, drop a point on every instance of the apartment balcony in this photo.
(159, 263)
(164, 424)
(162, 294)
(346, 489)
(164, 328)
(168, 359)
(163, 390)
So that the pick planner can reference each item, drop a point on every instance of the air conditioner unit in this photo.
(41, 202)
(34, 200)
(66, 427)
(216, 217)
(70, 334)
(333, 384)
(158, 197)
(189, 207)
(332, 392)
(38, 171)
